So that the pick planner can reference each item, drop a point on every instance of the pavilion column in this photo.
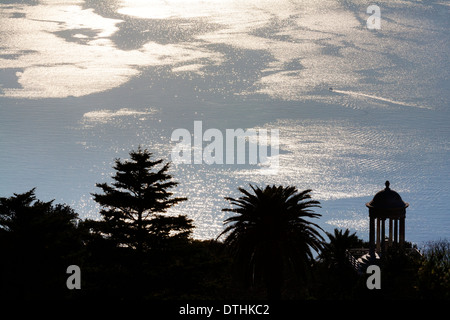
(378, 235)
(383, 235)
(390, 231)
(395, 231)
(372, 237)
(402, 230)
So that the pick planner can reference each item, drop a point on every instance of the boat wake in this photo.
(359, 94)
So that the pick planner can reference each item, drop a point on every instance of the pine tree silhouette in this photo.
(133, 205)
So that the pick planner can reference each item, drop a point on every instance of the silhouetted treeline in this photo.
(270, 248)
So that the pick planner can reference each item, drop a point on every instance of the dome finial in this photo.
(387, 184)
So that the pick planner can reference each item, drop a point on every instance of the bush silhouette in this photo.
(38, 241)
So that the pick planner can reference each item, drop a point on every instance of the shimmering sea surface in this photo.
(83, 82)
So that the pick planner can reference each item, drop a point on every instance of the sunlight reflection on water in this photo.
(84, 82)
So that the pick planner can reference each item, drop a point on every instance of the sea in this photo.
(357, 90)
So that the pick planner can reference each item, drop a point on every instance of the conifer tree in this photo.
(133, 206)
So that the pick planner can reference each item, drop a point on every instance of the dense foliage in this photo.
(137, 251)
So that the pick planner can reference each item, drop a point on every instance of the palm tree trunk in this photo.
(273, 275)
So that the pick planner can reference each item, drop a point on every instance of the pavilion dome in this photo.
(387, 199)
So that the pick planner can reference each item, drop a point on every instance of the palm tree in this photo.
(334, 253)
(270, 232)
